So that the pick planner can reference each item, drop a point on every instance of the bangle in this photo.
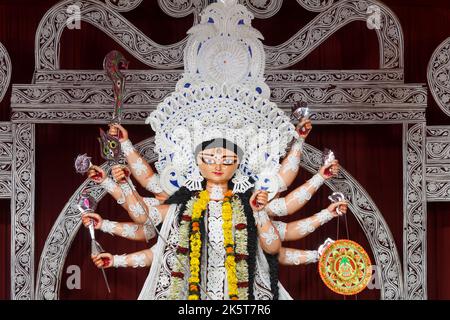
(281, 228)
(311, 256)
(120, 261)
(108, 184)
(127, 147)
(261, 217)
(154, 184)
(280, 182)
(317, 181)
(108, 226)
(298, 145)
(278, 207)
(324, 216)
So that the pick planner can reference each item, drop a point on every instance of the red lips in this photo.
(218, 173)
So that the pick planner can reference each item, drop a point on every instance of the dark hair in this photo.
(219, 143)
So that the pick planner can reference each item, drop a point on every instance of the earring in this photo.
(241, 182)
(194, 180)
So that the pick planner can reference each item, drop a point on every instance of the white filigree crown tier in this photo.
(222, 95)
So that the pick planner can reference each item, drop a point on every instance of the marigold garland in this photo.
(196, 244)
(177, 279)
(230, 262)
(235, 249)
(241, 253)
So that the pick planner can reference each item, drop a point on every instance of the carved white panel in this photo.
(5, 71)
(6, 155)
(438, 164)
(415, 212)
(439, 76)
(22, 213)
(340, 103)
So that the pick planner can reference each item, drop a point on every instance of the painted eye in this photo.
(228, 162)
(208, 160)
(106, 150)
(112, 144)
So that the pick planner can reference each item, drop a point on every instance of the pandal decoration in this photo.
(345, 267)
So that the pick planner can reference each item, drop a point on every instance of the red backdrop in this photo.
(372, 154)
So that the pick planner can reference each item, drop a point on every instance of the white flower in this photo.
(316, 181)
(293, 257)
(270, 236)
(108, 184)
(120, 261)
(292, 164)
(136, 210)
(278, 207)
(138, 260)
(127, 147)
(108, 226)
(324, 216)
(312, 256)
(302, 195)
(139, 167)
(129, 231)
(305, 227)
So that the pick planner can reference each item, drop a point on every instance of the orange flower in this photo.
(228, 194)
(193, 287)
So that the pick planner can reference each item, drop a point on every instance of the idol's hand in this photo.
(103, 260)
(341, 205)
(118, 131)
(259, 200)
(120, 173)
(330, 171)
(304, 127)
(87, 218)
(96, 174)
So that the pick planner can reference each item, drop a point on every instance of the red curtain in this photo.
(372, 154)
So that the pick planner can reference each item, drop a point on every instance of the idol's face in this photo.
(217, 165)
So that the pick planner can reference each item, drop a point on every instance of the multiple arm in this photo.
(271, 233)
(140, 168)
(269, 239)
(291, 163)
(127, 230)
(140, 259)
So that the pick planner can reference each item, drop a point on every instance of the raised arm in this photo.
(291, 163)
(295, 257)
(296, 199)
(128, 230)
(269, 238)
(98, 175)
(139, 208)
(299, 229)
(140, 168)
(140, 259)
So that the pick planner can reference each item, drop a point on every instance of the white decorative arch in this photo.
(336, 96)
(102, 16)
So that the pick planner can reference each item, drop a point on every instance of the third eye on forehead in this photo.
(218, 152)
(207, 154)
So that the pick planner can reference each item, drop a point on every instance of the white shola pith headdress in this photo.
(222, 95)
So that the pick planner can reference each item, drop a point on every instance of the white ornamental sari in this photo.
(157, 284)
